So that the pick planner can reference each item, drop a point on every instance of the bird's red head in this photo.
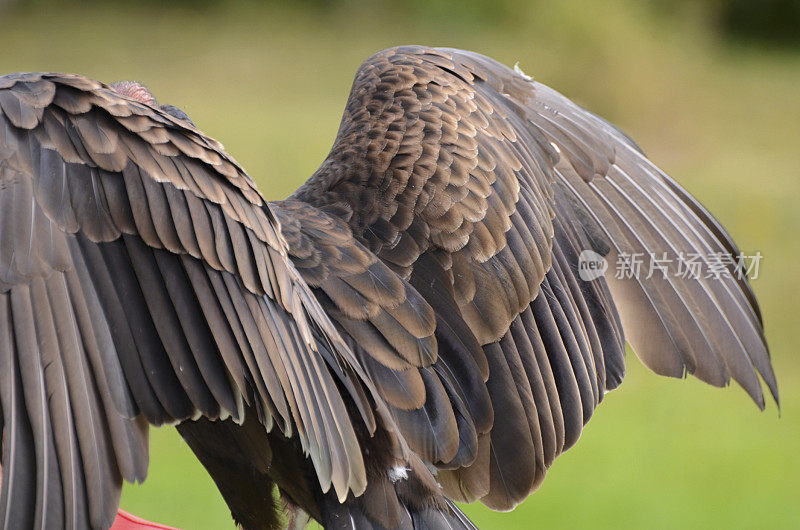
(136, 91)
(140, 93)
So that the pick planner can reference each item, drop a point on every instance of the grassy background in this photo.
(723, 117)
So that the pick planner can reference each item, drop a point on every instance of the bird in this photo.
(415, 326)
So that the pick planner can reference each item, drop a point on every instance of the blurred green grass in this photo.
(270, 83)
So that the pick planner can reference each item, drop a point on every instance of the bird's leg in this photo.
(297, 518)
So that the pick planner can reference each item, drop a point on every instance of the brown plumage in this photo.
(406, 330)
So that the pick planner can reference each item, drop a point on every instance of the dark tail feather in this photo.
(455, 519)
(352, 516)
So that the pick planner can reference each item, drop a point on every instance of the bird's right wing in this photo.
(144, 279)
(482, 188)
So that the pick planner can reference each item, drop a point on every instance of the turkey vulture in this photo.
(410, 328)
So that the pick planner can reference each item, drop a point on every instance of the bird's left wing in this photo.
(144, 279)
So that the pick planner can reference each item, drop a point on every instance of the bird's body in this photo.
(409, 329)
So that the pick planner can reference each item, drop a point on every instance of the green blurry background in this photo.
(711, 90)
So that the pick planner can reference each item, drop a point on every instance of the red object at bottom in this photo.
(128, 521)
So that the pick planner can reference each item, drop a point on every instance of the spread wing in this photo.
(143, 279)
(481, 188)
(423, 280)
